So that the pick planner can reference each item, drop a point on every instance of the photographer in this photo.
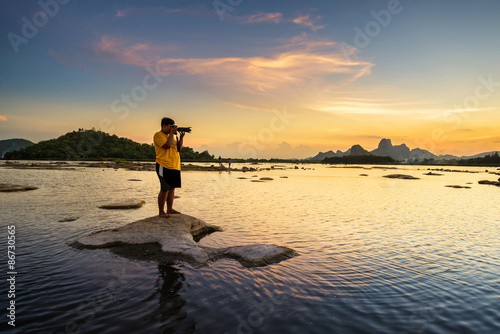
(168, 164)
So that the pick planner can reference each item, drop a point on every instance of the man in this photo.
(168, 164)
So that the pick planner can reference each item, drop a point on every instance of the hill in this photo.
(9, 145)
(96, 145)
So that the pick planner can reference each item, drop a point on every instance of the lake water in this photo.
(377, 255)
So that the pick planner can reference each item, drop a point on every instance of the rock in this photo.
(134, 180)
(284, 177)
(434, 174)
(363, 174)
(266, 178)
(256, 181)
(457, 186)
(494, 183)
(128, 204)
(7, 187)
(68, 219)
(401, 176)
(173, 239)
(243, 178)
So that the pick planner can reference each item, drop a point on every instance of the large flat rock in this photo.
(7, 187)
(176, 238)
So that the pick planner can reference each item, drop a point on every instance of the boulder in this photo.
(7, 187)
(175, 238)
(128, 204)
(401, 176)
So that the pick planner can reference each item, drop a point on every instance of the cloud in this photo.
(119, 50)
(272, 73)
(305, 20)
(263, 18)
(308, 21)
(300, 69)
(3, 118)
(126, 12)
(192, 10)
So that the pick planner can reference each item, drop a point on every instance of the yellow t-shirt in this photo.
(168, 158)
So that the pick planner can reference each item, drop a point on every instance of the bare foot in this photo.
(173, 212)
(164, 215)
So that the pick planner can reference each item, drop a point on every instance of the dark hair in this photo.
(166, 121)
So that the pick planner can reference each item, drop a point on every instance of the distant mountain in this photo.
(418, 154)
(9, 145)
(96, 145)
(396, 152)
(386, 149)
(358, 150)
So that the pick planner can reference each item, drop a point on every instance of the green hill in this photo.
(96, 145)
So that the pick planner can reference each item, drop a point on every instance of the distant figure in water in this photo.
(229, 163)
(220, 162)
(168, 164)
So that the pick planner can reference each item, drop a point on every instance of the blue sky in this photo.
(345, 72)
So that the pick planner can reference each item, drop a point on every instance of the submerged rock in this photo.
(170, 239)
(68, 219)
(7, 187)
(434, 174)
(401, 176)
(266, 178)
(457, 186)
(494, 183)
(128, 204)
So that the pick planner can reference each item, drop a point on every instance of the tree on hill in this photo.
(95, 145)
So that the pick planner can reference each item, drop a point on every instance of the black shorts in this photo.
(169, 178)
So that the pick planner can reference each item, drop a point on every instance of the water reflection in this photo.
(170, 312)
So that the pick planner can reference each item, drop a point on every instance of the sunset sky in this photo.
(254, 78)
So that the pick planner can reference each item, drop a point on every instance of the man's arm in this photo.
(170, 141)
(181, 141)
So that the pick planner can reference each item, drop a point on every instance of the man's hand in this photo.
(182, 133)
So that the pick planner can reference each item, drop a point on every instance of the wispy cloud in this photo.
(308, 21)
(114, 49)
(300, 69)
(3, 118)
(126, 12)
(262, 18)
(305, 20)
(192, 10)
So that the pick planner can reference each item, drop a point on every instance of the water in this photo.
(377, 255)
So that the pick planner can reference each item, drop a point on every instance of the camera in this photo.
(184, 129)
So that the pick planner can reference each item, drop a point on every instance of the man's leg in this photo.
(162, 197)
(170, 202)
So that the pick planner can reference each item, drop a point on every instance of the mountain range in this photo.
(397, 152)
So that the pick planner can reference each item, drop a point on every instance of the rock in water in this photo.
(401, 176)
(7, 187)
(176, 236)
(128, 204)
